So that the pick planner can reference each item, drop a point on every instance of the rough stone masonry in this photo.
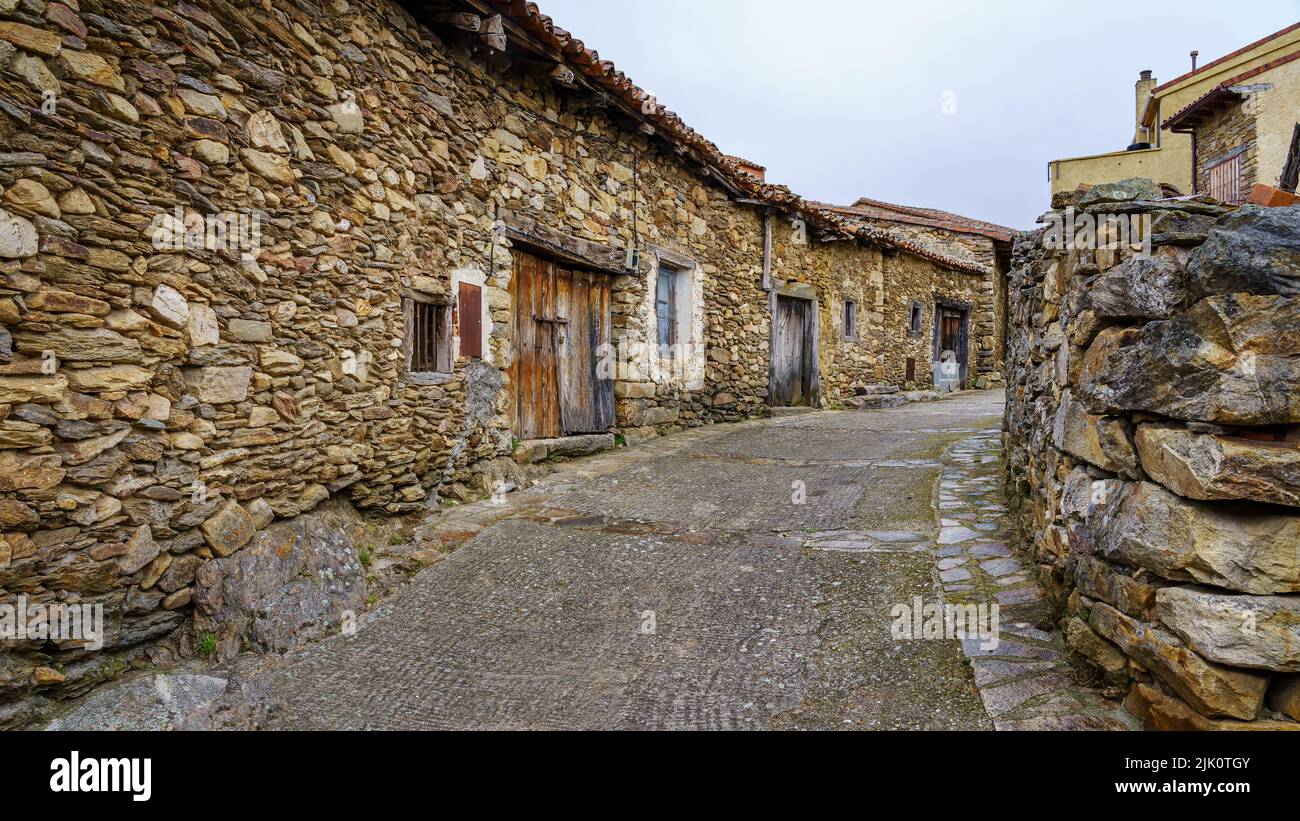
(217, 218)
(1153, 430)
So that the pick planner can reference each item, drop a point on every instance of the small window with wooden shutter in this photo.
(850, 319)
(428, 338)
(469, 310)
(1225, 180)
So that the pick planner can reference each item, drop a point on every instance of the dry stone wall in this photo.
(1153, 434)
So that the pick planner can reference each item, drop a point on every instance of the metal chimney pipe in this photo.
(1195, 54)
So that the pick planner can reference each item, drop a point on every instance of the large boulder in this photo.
(1207, 466)
(292, 584)
(1254, 250)
(1231, 360)
(1261, 632)
(1247, 548)
(1162, 712)
(1098, 440)
(1152, 287)
(1213, 690)
(1117, 586)
(1129, 190)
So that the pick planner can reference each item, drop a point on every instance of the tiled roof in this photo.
(1214, 63)
(1223, 90)
(527, 17)
(932, 217)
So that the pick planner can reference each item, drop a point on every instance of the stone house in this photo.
(1246, 130)
(961, 308)
(256, 256)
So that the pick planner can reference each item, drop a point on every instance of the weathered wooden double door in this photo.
(562, 334)
(794, 355)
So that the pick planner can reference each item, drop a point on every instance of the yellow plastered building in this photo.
(1262, 76)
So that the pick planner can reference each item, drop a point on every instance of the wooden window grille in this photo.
(428, 337)
(1225, 180)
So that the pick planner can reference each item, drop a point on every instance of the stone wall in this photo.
(1153, 439)
(1229, 130)
(167, 392)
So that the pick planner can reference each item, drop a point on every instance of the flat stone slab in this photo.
(157, 702)
(895, 536)
(956, 535)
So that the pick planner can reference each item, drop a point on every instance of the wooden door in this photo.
(534, 372)
(791, 373)
(586, 393)
(562, 323)
(952, 337)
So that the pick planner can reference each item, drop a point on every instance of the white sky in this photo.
(844, 98)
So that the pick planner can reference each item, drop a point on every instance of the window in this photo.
(914, 319)
(850, 319)
(428, 337)
(1225, 180)
(672, 310)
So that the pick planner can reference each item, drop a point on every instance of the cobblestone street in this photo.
(679, 584)
(732, 577)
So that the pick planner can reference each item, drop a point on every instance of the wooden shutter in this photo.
(470, 308)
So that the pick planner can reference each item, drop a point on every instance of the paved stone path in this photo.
(1025, 680)
(737, 576)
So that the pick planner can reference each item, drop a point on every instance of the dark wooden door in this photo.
(562, 322)
(586, 393)
(952, 337)
(791, 372)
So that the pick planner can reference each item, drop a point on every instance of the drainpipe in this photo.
(767, 250)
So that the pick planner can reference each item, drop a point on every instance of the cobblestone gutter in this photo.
(1154, 454)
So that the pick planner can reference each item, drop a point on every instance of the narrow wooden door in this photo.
(586, 389)
(562, 329)
(952, 337)
(534, 374)
(791, 384)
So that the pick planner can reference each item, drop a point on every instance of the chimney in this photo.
(1195, 54)
(1142, 93)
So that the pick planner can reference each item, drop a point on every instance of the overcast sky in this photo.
(845, 98)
